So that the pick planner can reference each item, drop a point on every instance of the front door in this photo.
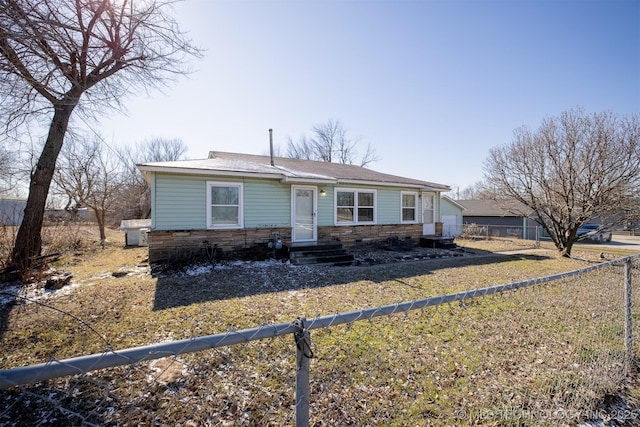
(428, 214)
(303, 213)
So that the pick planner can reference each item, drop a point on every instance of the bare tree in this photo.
(90, 178)
(330, 143)
(6, 170)
(303, 149)
(572, 168)
(57, 55)
(136, 194)
(159, 150)
(476, 191)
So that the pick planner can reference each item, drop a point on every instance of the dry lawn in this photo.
(138, 309)
(114, 302)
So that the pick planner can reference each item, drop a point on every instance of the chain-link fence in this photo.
(538, 352)
(492, 231)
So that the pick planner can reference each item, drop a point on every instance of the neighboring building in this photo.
(237, 201)
(498, 220)
(12, 211)
(451, 215)
(75, 215)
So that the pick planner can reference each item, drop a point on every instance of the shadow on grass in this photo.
(5, 310)
(223, 283)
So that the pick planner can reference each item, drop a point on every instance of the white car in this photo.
(593, 232)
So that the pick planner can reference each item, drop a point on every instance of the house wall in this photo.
(179, 209)
(193, 244)
(449, 209)
(365, 234)
(388, 204)
(180, 202)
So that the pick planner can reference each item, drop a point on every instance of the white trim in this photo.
(207, 172)
(429, 228)
(415, 206)
(355, 192)
(240, 223)
(293, 180)
(287, 179)
(314, 190)
(421, 187)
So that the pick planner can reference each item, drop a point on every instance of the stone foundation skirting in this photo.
(184, 246)
(193, 245)
(359, 235)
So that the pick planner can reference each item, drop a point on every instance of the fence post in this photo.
(303, 354)
(628, 330)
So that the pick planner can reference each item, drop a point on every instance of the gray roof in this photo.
(285, 169)
(492, 208)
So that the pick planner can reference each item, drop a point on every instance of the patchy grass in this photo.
(138, 309)
(518, 350)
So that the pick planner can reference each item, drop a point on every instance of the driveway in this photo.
(620, 241)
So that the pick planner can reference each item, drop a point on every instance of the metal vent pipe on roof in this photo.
(271, 145)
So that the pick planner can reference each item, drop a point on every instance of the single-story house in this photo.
(12, 211)
(237, 201)
(499, 220)
(451, 215)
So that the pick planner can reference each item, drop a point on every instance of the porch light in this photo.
(323, 193)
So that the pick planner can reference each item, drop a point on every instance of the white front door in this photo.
(428, 214)
(303, 214)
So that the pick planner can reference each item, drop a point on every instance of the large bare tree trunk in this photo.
(28, 243)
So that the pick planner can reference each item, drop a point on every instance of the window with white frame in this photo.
(409, 207)
(355, 206)
(224, 205)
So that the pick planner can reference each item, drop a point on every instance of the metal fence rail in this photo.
(449, 358)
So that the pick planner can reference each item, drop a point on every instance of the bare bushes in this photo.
(7, 239)
(64, 236)
(474, 231)
(57, 239)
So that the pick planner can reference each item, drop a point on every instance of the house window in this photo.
(224, 205)
(355, 206)
(409, 207)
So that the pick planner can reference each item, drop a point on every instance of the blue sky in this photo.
(431, 85)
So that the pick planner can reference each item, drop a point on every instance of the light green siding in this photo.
(448, 208)
(267, 203)
(389, 206)
(326, 211)
(179, 202)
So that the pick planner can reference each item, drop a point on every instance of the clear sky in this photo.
(431, 85)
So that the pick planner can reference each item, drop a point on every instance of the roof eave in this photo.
(304, 180)
(422, 187)
(209, 172)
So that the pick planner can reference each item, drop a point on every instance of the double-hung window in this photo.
(409, 207)
(355, 206)
(224, 205)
